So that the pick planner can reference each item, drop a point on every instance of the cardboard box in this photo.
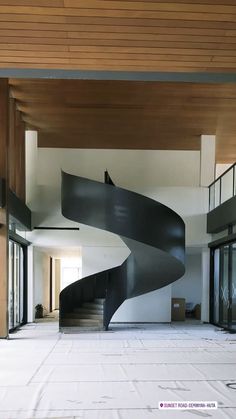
(178, 309)
(197, 311)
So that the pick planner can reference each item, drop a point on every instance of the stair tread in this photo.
(81, 321)
(87, 310)
(95, 305)
(80, 329)
(88, 316)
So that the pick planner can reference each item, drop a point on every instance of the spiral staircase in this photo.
(154, 233)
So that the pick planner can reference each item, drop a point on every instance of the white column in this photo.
(205, 285)
(31, 156)
(207, 170)
(30, 307)
(56, 282)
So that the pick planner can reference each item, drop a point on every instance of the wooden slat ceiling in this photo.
(177, 35)
(128, 115)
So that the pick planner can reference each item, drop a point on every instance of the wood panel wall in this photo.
(4, 95)
(16, 151)
(170, 35)
(12, 169)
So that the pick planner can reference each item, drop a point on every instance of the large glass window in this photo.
(11, 286)
(216, 284)
(233, 289)
(16, 285)
(224, 286)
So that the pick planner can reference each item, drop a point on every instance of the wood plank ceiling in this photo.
(168, 36)
(128, 115)
(177, 35)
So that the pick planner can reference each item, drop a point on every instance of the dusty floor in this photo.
(120, 374)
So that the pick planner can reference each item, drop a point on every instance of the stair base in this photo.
(80, 329)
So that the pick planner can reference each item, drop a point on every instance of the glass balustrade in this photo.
(223, 188)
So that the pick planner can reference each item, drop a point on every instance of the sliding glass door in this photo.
(16, 290)
(224, 286)
(233, 288)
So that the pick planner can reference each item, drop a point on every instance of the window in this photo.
(16, 288)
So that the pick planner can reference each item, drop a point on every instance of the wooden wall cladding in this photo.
(4, 95)
(128, 115)
(177, 35)
(16, 151)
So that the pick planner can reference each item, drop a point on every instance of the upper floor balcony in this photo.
(222, 202)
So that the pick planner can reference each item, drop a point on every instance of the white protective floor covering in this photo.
(120, 374)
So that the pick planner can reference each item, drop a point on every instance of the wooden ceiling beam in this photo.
(160, 142)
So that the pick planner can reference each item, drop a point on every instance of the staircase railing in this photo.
(223, 188)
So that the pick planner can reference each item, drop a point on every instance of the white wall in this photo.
(190, 285)
(221, 168)
(208, 151)
(154, 307)
(31, 158)
(30, 288)
(97, 259)
(56, 282)
(128, 168)
(41, 278)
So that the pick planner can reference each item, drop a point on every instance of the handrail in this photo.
(218, 193)
(224, 173)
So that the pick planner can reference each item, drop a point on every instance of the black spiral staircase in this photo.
(154, 233)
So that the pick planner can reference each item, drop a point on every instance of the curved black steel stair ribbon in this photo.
(154, 233)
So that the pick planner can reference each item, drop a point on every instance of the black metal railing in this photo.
(223, 188)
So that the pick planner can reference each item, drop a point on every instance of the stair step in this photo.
(99, 300)
(80, 329)
(82, 322)
(92, 306)
(82, 315)
(84, 310)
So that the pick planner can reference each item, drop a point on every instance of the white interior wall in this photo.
(221, 168)
(38, 276)
(128, 168)
(31, 160)
(41, 278)
(30, 284)
(190, 285)
(208, 151)
(57, 282)
(97, 259)
(154, 307)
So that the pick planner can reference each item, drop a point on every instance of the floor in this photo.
(120, 374)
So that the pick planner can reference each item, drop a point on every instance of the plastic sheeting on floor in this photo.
(120, 374)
